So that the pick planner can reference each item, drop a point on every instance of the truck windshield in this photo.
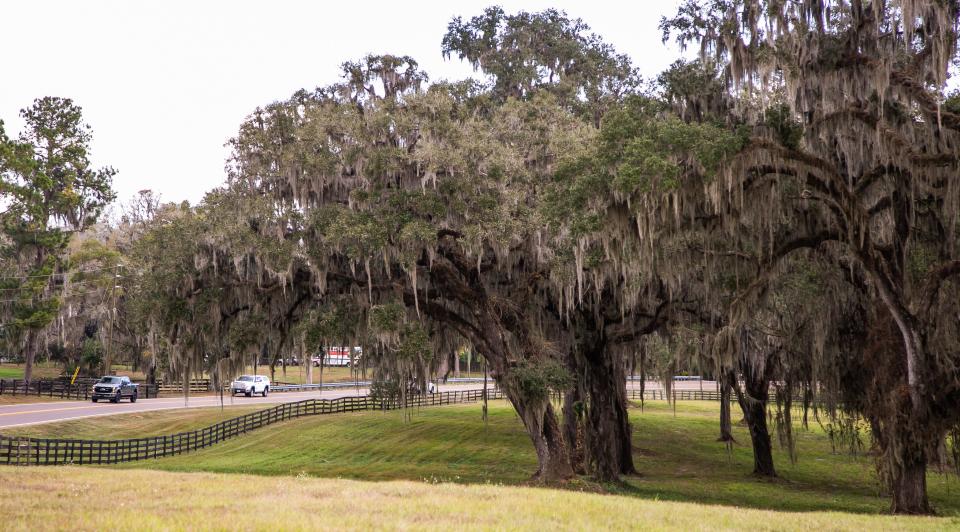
(110, 380)
(245, 378)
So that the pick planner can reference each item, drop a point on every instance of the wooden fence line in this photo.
(55, 451)
(690, 395)
(676, 395)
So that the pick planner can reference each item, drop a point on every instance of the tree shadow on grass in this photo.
(689, 465)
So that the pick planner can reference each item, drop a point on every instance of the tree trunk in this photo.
(900, 417)
(502, 337)
(572, 428)
(456, 365)
(540, 420)
(443, 371)
(909, 485)
(607, 433)
(323, 359)
(29, 354)
(643, 378)
(760, 438)
(308, 360)
(537, 413)
(754, 406)
(726, 389)
(573, 406)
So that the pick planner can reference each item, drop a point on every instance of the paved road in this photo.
(34, 413)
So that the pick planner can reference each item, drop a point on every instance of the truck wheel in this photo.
(94, 399)
(249, 394)
(133, 398)
(265, 390)
(115, 398)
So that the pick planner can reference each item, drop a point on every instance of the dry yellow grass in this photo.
(86, 499)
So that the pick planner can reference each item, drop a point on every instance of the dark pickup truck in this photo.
(114, 389)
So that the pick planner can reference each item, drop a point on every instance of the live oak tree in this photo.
(872, 181)
(410, 205)
(613, 212)
(50, 192)
(425, 203)
(647, 243)
(416, 206)
(524, 56)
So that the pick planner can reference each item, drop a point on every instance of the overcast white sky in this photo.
(164, 84)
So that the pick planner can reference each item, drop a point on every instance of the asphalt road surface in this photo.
(48, 412)
(33, 413)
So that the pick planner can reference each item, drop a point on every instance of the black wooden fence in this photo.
(51, 451)
(691, 395)
(61, 389)
(676, 395)
(195, 386)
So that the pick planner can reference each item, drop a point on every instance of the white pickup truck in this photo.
(250, 385)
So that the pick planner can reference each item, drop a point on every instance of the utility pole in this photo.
(108, 352)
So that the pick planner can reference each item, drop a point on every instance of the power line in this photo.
(61, 273)
(65, 285)
(71, 294)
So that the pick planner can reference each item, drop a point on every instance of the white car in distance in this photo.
(250, 385)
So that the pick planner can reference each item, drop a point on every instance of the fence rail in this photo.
(60, 388)
(51, 451)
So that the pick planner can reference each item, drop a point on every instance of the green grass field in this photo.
(15, 371)
(436, 444)
(677, 456)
